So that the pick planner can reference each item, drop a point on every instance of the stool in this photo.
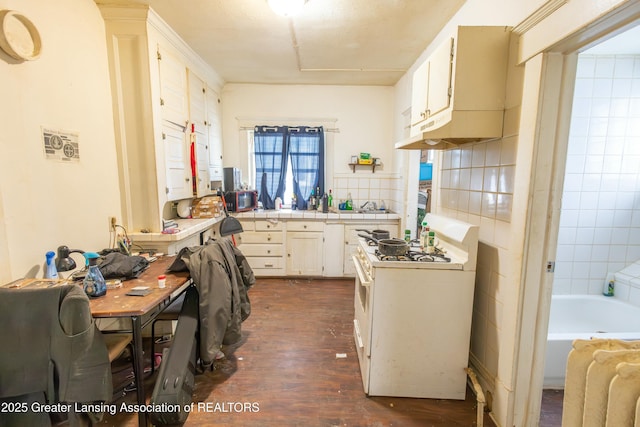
(170, 313)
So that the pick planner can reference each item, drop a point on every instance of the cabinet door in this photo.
(304, 254)
(199, 133)
(177, 165)
(439, 82)
(351, 240)
(419, 94)
(214, 129)
(203, 181)
(333, 250)
(173, 88)
(197, 102)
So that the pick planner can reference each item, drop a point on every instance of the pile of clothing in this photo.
(223, 277)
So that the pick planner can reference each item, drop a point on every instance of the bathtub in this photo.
(583, 317)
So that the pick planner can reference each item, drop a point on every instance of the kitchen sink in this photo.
(372, 211)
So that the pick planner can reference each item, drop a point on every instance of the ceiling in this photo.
(334, 42)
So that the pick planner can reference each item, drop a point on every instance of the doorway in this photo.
(597, 216)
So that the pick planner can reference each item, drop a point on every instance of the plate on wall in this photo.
(19, 37)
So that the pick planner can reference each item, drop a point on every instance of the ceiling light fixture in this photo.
(286, 7)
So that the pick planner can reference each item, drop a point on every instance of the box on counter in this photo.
(207, 207)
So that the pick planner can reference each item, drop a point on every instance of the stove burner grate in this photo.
(414, 256)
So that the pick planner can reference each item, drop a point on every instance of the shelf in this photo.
(372, 166)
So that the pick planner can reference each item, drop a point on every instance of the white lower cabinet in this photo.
(304, 248)
(333, 247)
(262, 243)
(351, 238)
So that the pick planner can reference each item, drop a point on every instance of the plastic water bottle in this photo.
(424, 235)
(609, 284)
(51, 272)
(94, 284)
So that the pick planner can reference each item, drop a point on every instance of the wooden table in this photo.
(142, 311)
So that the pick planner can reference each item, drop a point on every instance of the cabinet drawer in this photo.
(248, 225)
(265, 262)
(305, 226)
(268, 225)
(261, 250)
(260, 237)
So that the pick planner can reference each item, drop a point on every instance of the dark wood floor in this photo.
(551, 414)
(286, 373)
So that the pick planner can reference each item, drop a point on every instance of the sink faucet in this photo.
(372, 206)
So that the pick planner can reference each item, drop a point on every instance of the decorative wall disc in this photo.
(19, 38)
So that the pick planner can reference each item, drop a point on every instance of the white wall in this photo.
(600, 219)
(363, 116)
(45, 203)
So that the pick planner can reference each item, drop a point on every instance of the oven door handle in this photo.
(362, 276)
(356, 328)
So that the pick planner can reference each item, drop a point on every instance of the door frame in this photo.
(555, 68)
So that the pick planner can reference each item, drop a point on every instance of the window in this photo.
(288, 161)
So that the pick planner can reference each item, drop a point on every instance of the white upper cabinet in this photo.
(419, 98)
(159, 88)
(432, 84)
(439, 84)
(173, 88)
(458, 93)
(177, 170)
(197, 102)
(214, 126)
(199, 134)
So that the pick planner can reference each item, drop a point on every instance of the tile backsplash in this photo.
(600, 218)
(479, 179)
(363, 188)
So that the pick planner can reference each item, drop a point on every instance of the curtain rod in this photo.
(336, 130)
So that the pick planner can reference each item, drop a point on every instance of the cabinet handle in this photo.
(268, 239)
(187, 179)
(268, 251)
(268, 265)
(304, 226)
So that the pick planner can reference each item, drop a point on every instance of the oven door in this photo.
(362, 320)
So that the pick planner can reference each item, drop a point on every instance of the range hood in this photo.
(451, 128)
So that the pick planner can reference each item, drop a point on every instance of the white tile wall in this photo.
(600, 218)
(479, 179)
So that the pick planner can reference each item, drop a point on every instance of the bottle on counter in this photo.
(349, 203)
(93, 284)
(330, 199)
(424, 235)
(312, 201)
(278, 203)
(325, 203)
(407, 235)
(50, 272)
(294, 202)
(431, 242)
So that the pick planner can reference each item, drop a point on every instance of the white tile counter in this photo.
(317, 215)
(189, 234)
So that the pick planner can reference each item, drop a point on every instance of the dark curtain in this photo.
(271, 152)
(306, 149)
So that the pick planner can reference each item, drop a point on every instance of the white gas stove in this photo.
(413, 315)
